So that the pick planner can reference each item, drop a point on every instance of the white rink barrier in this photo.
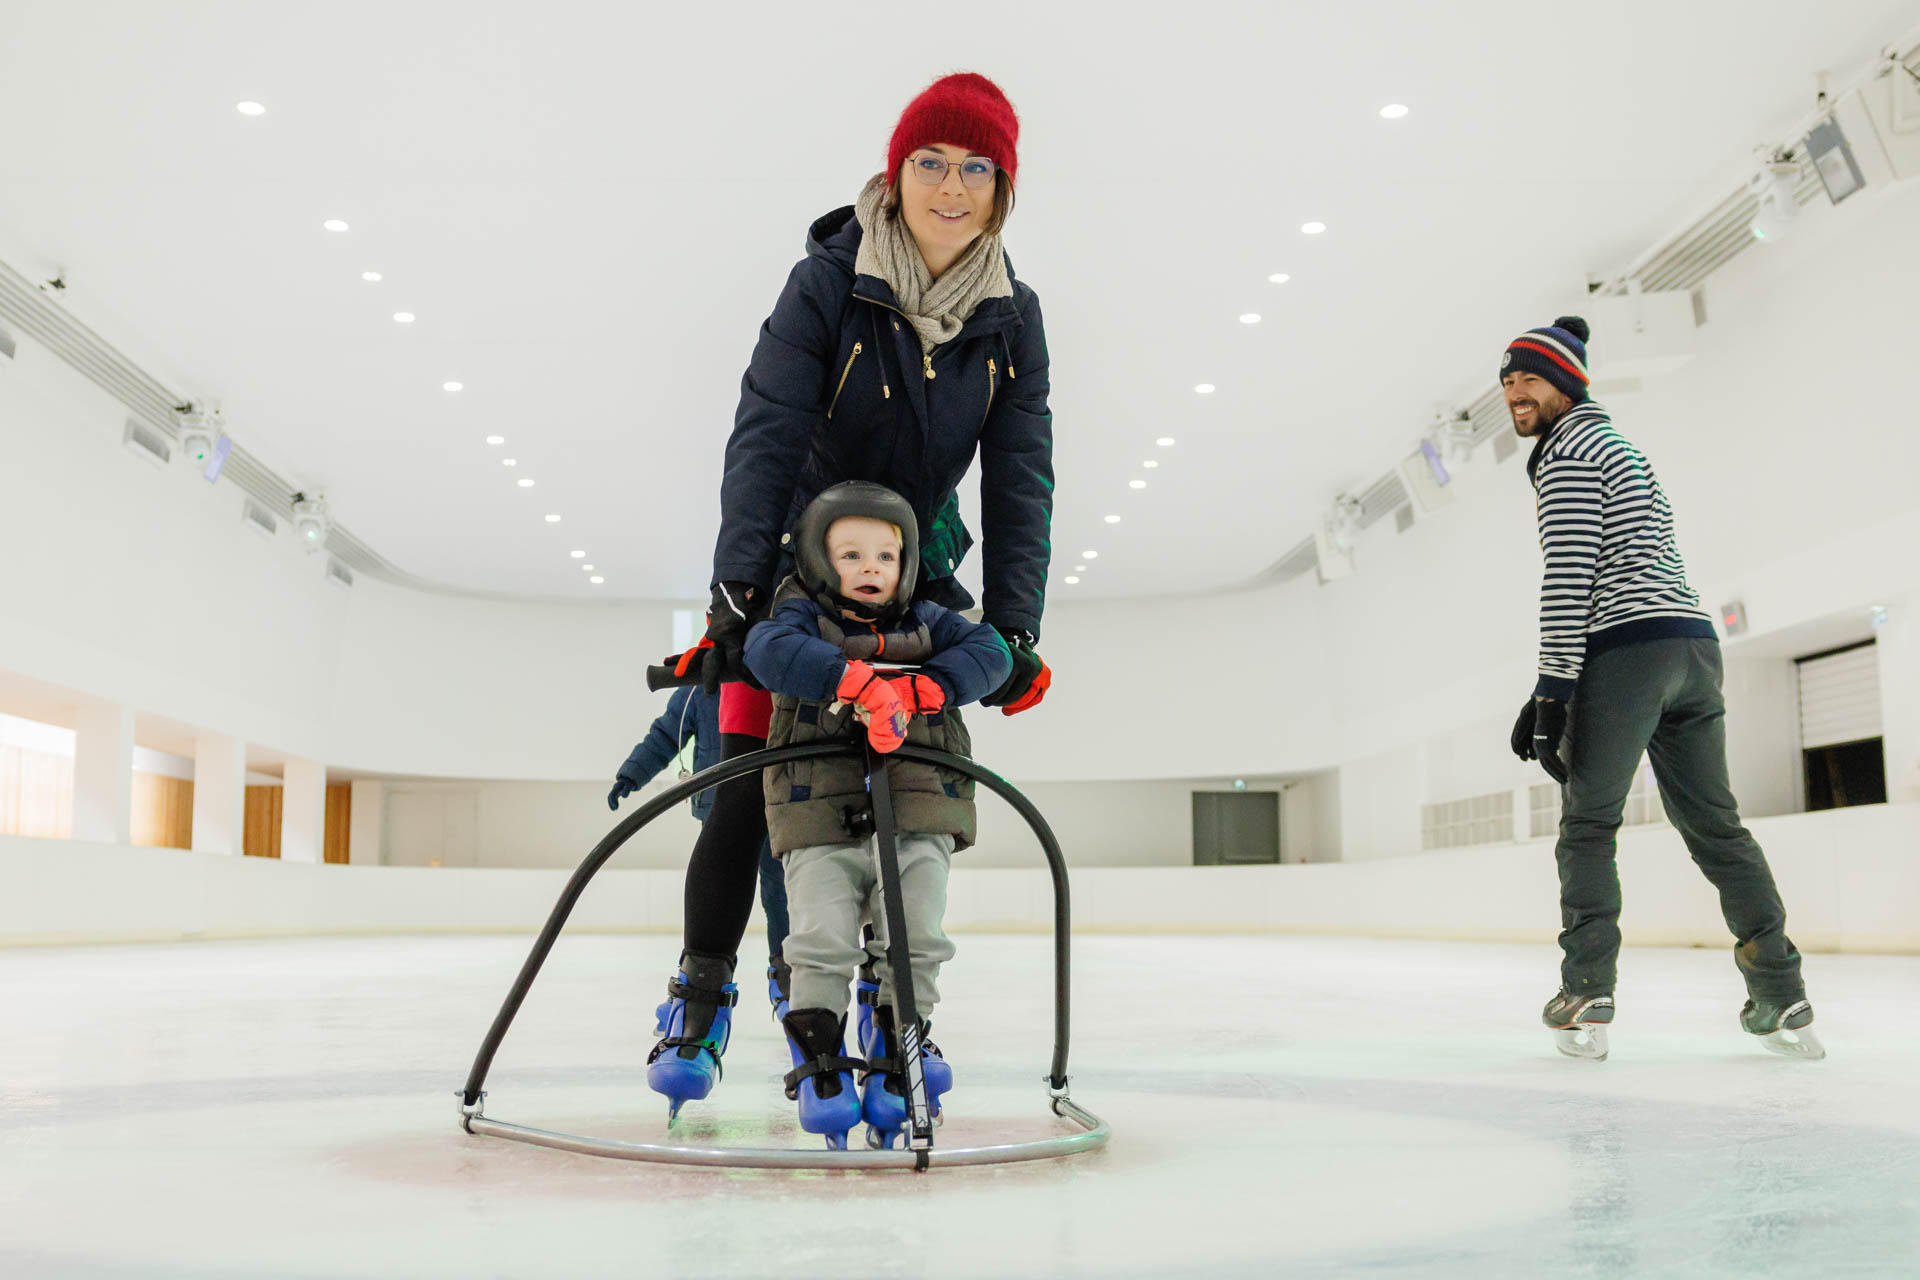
(1850, 877)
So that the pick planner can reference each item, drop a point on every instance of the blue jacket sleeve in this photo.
(662, 743)
(969, 660)
(783, 398)
(786, 654)
(1016, 484)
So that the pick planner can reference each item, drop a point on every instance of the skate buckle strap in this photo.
(675, 1042)
(827, 1064)
(868, 995)
(726, 997)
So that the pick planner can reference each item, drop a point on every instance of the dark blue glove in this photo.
(623, 786)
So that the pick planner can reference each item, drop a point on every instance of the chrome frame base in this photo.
(1094, 1134)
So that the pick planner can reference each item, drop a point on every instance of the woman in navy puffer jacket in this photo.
(901, 345)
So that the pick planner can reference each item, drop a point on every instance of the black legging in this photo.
(725, 867)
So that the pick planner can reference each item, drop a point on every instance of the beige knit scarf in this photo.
(936, 308)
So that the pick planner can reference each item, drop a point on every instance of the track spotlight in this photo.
(310, 521)
(200, 427)
(1343, 522)
(1772, 186)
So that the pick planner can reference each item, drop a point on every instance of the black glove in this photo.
(1522, 739)
(736, 607)
(1016, 692)
(1549, 727)
(623, 786)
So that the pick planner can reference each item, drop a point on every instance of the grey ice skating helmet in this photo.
(854, 498)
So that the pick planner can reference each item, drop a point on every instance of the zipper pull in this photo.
(1010, 372)
(886, 392)
(926, 360)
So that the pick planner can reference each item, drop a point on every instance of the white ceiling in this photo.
(592, 207)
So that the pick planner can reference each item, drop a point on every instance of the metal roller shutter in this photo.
(1840, 697)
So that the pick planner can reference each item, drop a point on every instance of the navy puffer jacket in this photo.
(838, 390)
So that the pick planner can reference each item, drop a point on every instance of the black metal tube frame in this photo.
(750, 763)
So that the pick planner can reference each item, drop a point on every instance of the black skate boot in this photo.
(1580, 1023)
(1785, 1029)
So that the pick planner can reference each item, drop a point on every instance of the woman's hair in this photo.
(996, 219)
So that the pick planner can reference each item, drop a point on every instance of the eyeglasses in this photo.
(975, 171)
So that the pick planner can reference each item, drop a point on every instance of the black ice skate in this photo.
(1785, 1029)
(1579, 1024)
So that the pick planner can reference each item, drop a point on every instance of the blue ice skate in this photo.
(685, 1065)
(779, 980)
(884, 1096)
(866, 994)
(821, 1080)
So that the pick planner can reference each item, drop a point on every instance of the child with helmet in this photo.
(847, 605)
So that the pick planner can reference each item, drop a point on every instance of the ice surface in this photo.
(1314, 1106)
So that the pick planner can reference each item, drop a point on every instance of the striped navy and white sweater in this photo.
(1613, 570)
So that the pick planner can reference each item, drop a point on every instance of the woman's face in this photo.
(947, 218)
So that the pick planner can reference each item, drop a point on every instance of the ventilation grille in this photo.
(1382, 498)
(146, 442)
(258, 518)
(7, 347)
(338, 574)
(1457, 824)
(1291, 565)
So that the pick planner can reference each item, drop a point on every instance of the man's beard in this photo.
(1544, 417)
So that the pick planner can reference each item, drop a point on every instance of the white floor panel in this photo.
(1326, 1107)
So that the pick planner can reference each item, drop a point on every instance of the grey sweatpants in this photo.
(1661, 697)
(832, 888)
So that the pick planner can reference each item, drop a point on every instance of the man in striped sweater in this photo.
(1629, 664)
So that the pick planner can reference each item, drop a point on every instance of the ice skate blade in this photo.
(673, 1113)
(1788, 1043)
(1586, 1041)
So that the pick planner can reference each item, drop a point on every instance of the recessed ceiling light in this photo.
(1204, 388)
(509, 462)
(496, 439)
(1113, 519)
(1278, 277)
(334, 224)
(553, 519)
(1165, 442)
(250, 108)
(586, 568)
(1136, 484)
(453, 386)
(524, 482)
(1072, 581)
(1079, 568)
(578, 555)
(1393, 111)
(1089, 555)
(1251, 317)
(403, 317)
(1151, 463)
(596, 580)
(372, 277)
(1312, 228)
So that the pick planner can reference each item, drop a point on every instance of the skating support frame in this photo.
(1094, 1131)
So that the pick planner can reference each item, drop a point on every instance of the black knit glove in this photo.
(1549, 728)
(736, 607)
(623, 786)
(1522, 739)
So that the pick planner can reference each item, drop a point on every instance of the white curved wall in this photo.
(1787, 446)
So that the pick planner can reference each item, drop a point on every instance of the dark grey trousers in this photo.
(1661, 697)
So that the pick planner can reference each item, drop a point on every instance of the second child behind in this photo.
(850, 602)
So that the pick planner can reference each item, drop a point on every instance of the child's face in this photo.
(866, 554)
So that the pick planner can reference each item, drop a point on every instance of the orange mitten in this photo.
(885, 715)
(922, 694)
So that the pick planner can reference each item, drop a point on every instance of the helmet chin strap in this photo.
(866, 612)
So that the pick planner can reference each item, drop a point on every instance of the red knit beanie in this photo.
(963, 110)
